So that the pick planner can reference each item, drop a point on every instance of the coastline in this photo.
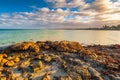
(59, 60)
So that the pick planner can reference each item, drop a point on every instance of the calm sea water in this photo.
(8, 37)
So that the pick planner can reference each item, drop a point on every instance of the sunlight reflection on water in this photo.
(83, 36)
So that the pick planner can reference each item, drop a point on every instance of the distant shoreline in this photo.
(65, 29)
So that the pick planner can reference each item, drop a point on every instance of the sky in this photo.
(58, 13)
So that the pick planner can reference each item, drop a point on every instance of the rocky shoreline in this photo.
(59, 60)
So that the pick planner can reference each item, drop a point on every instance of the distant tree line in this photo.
(106, 27)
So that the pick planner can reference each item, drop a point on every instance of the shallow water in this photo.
(102, 37)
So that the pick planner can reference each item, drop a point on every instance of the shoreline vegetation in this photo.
(59, 60)
(105, 27)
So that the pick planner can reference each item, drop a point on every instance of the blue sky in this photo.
(63, 13)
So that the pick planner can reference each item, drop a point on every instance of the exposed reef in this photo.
(59, 60)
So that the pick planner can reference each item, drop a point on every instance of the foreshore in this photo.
(59, 60)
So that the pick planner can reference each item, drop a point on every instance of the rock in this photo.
(47, 58)
(25, 46)
(24, 55)
(64, 78)
(39, 56)
(83, 72)
(25, 71)
(67, 46)
(2, 62)
(3, 55)
(64, 65)
(34, 48)
(113, 66)
(25, 63)
(10, 63)
(46, 77)
(95, 74)
(16, 59)
(3, 78)
(26, 79)
(36, 66)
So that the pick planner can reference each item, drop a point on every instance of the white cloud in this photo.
(95, 14)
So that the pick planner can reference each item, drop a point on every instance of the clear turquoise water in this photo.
(8, 37)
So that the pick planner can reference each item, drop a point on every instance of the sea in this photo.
(85, 37)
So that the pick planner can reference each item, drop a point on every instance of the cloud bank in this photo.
(94, 14)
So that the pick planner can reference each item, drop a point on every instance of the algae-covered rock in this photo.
(26, 79)
(36, 66)
(47, 58)
(3, 61)
(95, 74)
(67, 46)
(3, 78)
(10, 63)
(16, 59)
(25, 63)
(64, 78)
(25, 46)
(46, 77)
